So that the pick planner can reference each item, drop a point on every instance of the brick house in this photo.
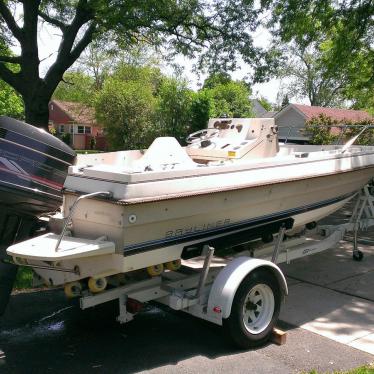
(292, 118)
(79, 121)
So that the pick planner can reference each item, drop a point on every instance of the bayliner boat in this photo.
(33, 168)
(131, 210)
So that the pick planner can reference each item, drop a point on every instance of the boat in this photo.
(147, 209)
(33, 168)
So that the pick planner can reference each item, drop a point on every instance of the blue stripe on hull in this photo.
(227, 229)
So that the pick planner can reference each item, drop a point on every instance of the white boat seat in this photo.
(164, 153)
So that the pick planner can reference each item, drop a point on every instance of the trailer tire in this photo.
(255, 310)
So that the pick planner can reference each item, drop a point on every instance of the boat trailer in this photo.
(241, 292)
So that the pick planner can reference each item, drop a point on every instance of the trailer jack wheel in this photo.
(96, 285)
(254, 311)
(173, 265)
(72, 289)
(155, 270)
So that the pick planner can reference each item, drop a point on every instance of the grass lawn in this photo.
(24, 278)
(360, 370)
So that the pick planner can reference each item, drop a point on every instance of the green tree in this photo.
(174, 107)
(265, 103)
(319, 129)
(202, 108)
(325, 130)
(77, 87)
(285, 100)
(127, 111)
(217, 78)
(342, 33)
(217, 31)
(10, 102)
(310, 77)
(231, 99)
(148, 74)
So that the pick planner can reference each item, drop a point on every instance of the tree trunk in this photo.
(37, 111)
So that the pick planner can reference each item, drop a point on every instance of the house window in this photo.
(61, 129)
(84, 130)
(71, 129)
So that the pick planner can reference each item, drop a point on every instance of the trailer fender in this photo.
(229, 279)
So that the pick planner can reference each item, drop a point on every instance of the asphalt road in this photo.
(43, 332)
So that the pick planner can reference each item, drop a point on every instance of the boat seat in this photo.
(164, 153)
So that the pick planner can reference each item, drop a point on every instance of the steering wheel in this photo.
(201, 135)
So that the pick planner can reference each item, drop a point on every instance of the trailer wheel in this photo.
(255, 310)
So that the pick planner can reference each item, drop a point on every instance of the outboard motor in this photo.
(33, 168)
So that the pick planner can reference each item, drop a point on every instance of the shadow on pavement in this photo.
(56, 335)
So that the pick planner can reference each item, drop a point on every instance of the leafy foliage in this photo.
(231, 100)
(319, 130)
(339, 38)
(265, 103)
(218, 32)
(202, 108)
(311, 77)
(325, 130)
(217, 78)
(66, 138)
(138, 103)
(77, 87)
(174, 107)
(10, 102)
(127, 109)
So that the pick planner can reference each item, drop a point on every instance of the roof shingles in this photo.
(334, 113)
(78, 112)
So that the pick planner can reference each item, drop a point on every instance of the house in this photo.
(257, 108)
(79, 121)
(259, 111)
(292, 118)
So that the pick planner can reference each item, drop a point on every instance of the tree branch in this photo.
(11, 59)
(11, 78)
(83, 43)
(67, 56)
(10, 21)
(52, 21)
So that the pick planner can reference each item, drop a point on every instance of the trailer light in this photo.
(134, 306)
(217, 309)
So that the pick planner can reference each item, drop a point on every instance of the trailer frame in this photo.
(209, 293)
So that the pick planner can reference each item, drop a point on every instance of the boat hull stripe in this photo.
(242, 225)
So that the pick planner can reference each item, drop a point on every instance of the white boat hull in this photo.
(163, 203)
(198, 219)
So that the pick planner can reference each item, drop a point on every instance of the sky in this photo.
(49, 40)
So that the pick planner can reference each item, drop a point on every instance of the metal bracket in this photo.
(364, 208)
(124, 315)
(205, 270)
(278, 243)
